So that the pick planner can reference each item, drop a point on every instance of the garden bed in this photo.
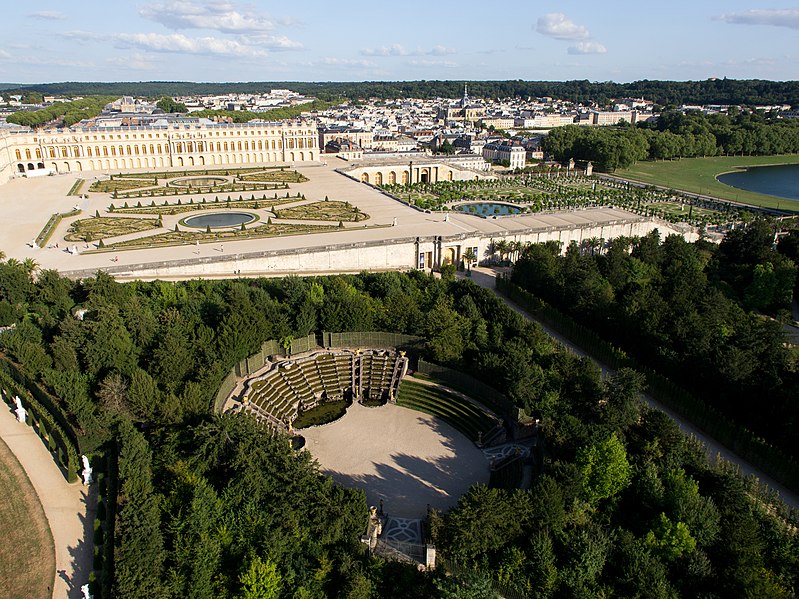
(321, 414)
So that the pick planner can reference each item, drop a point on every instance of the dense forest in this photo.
(675, 135)
(697, 313)
(665, 93)
(216, 506)
(61, 113)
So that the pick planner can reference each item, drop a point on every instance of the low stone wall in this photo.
(383, 254)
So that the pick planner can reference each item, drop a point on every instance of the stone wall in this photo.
(388, 254)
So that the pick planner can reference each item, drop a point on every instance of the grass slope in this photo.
(27, 553)
(463, 415)
(698, 175)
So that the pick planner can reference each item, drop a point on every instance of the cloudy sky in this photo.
(311, 40)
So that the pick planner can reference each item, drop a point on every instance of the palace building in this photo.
(186, 144)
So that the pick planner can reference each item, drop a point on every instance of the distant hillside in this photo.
(665, 93)
(9, 86)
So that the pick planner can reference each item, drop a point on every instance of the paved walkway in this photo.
(485, 277)
(69, 508)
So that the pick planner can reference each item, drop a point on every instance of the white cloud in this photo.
(177, 42)
(218, 16)
(344, 62)
(776, 17)
(587, 48)
(48, 15)
(137, 62)
(441, 51)
(433, 63)
(558, 26)
(4, 55)
(400, 50)
(392, 50)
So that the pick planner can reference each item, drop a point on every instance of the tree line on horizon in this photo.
(749, 92)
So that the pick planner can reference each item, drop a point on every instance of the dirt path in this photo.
(406, 458)
(69, 508)
(485, 277)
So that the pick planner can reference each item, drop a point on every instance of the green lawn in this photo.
(27, 554)
(698, 175)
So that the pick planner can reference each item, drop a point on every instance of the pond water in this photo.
(780, 181)
(488, 209)
(219, 219)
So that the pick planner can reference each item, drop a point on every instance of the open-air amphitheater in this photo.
(408, 440)
(41, 212)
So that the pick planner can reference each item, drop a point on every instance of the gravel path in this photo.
(69, 508)
(407, 458)
(485, 277)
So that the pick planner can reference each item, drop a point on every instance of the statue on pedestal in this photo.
(85, 590)
(87, 471)
(375, 528)
(22, 413)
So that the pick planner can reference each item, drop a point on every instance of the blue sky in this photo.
(337, 40)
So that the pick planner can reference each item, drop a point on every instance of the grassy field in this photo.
(698, 175)
(27, 553)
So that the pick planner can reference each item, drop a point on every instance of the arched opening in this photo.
(66, 167)
(180, 160)
(365, 178)
(91, 165)
(392, 178)
(202, 160)
(30, 166)
(40, 165)
(449, 256)
(310, 155)
(54, 166)
(378, 178)
(424, 176)
(21, 167)
(449, 176)
(404, 178)
(291, 156)
(79, 166)
(191, 160)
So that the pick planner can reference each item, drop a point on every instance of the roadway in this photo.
(485, 277)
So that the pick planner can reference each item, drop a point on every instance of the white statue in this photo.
(87, 471)
(22, 413)
(394, 222)
(85, 590)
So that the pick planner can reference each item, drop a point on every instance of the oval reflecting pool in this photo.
(219, 219)
(489, 209)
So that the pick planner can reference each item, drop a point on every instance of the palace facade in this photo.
(30, 153)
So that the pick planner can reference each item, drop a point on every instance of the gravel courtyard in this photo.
(407, 458)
